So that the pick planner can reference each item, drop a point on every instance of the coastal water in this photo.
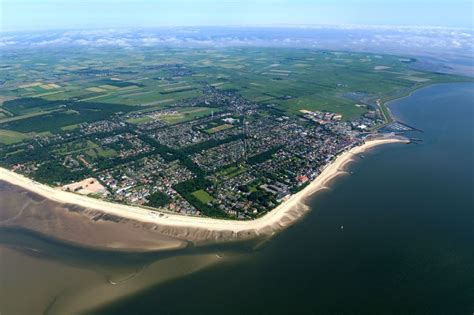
(394, 237)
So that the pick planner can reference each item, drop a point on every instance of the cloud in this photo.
(380, 39)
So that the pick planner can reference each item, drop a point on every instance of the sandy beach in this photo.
(186, 228)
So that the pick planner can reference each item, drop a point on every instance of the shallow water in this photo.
(393, 237)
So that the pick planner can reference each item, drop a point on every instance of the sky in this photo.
(29, 15)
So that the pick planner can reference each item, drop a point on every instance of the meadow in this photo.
(51, 92)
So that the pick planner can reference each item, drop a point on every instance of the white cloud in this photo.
(391, 39)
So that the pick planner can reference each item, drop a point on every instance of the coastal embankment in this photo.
(96, 223)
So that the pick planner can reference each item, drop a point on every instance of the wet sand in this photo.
(78, 225)
(34, 283)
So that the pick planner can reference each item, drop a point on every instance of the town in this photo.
(240, 161)
(221, 133)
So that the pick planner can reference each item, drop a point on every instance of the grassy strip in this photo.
(188, 191)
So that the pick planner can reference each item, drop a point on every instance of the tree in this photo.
(158, 199)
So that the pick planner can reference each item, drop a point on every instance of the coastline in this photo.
(386, 102)
(182, 228)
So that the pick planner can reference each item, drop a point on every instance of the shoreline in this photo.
(200, 229)
(385, 103)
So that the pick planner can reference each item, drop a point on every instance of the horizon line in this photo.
(263, 26)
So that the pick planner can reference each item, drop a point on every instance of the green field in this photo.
(70, 127)
(320, 103)
(203, 196)
(232, 171)
(140, 120)
(39, 115)
(11, 137)
(219, 128)
(76, 147)
(141, 80)
(98, 152)
(186, 114)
